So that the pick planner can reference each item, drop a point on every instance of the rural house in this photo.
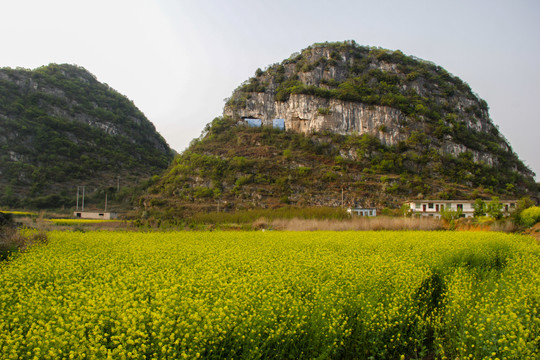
(362, 211)
(95, 215)
(434, 208)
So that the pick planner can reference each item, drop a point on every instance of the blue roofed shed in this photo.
(278, 124)
(251, 122)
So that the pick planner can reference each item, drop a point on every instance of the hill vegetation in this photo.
(62, 128)
(235, 167)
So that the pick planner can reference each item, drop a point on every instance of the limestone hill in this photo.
(61, 128)
(363, 126)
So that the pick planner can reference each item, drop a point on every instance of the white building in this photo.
(95, 215)
(362, 211)
(434, 207)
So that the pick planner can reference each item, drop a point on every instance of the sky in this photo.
(177, 60)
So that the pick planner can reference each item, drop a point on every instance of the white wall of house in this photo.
(435, 207)
(95, 215)
(362, 211)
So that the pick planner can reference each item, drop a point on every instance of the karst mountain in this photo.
(61, 128)
(339, 124)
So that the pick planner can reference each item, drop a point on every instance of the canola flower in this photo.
(229, 295)
(17, 212)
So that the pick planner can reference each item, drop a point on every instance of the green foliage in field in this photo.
(60, 128)
(369, 295)
(450, 216)
(14, 239)
(7, 230)
(479, 208)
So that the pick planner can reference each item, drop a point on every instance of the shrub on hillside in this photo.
(522, 204)
(530, 216)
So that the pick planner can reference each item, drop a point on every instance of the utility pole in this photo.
(77, 199)
(83, 198)
(105, 202)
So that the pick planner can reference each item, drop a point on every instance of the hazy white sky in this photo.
(178, 59)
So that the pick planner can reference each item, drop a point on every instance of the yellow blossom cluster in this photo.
(250, 295)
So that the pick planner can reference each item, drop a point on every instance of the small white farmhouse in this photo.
(95, 215)
(362, 211)
(433, 208)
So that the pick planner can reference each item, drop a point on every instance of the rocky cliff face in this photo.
(350, 90)
(308, 114)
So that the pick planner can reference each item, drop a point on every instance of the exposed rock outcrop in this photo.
(352, 90)
(308, 113)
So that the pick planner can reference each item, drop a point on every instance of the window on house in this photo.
(417, 206)
(430, 206)
(459, 206)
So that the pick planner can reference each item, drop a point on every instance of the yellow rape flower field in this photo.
(277, 295)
